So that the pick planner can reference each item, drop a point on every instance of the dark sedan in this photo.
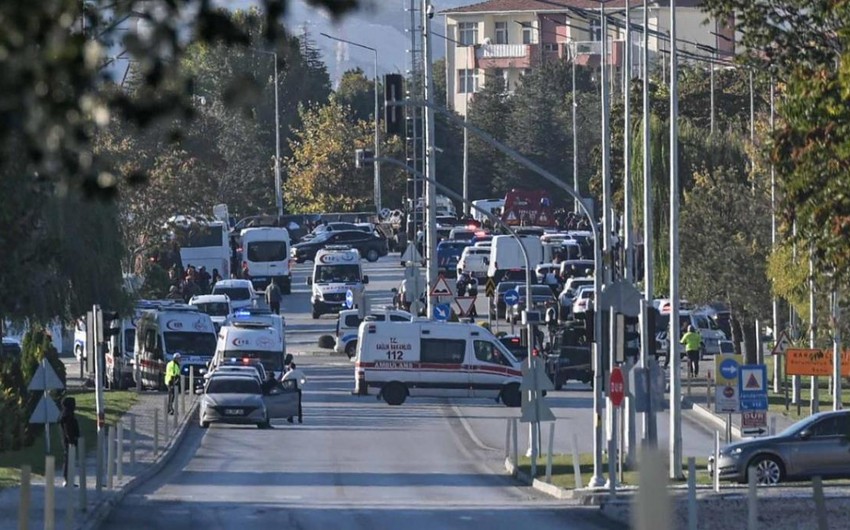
(817, 445)
(370, 246)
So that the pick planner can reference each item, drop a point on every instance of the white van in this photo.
(506, 256)
(265, 250)
(493, 206)
(475, 261)
(118, 359)
(261, 316)
(250, 340)
(170, 329)
(434, 359)
(217, 306)
(349, 322)
(336, 271)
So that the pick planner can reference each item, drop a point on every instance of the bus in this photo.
(203, 244)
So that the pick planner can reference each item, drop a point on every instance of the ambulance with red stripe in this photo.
(173, 328)
(434, 359)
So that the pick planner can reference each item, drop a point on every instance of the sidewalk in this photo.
(147, 462)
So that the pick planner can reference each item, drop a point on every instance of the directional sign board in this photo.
(754, 423)
(441, 288)
(465, 304)
(511, 297)
(726, 388)
(490, 288)
(349, 299)
(442, 312)
(752, 387)
(782, 344)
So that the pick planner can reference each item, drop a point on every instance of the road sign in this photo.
(511, 297)
(411, 254)
(349, 299)
(441, 288)
(752, 387)
(45, 412)
(726, 397)
(782, 344)
(616, 387)
(754, 423)
(45, 378)
(534, 382)
(442, 312)
(465, 304)
(490, 288)
(804, 361)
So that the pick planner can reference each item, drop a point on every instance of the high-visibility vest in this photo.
(172, 370)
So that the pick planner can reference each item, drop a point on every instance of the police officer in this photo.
(300, 379)
(273, 297)
(172, 380)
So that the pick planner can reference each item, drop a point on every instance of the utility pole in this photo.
(606, 154)
(836, 350)
(814, 389)
(627, 155)
(430, 160)
(650, 434)
(278, 192)
(774, 302)
(673, 337)
(575, 132)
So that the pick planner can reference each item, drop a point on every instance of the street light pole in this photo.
(277, 182)
(430, 152)
(575, 133)
(377, 146)
(627, 155)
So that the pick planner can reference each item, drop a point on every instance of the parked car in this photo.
(499, 300)
(240, 292)
(370, 246)
(541, 299)
(329, 227)
(817, 445)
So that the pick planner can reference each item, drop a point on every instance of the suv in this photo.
(370, 246)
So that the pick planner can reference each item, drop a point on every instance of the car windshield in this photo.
(271, 360)
(234, 293)
(189, 343)
(265, 251)
(213, 309)
(129, 341)
(337, 273)
(241, 385)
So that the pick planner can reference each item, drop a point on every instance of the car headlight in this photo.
(735, 451)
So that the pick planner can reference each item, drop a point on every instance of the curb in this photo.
(714, 419)
(104, 508)
(584, 498)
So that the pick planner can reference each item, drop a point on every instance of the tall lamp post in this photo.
(278, 192)
(377, 146)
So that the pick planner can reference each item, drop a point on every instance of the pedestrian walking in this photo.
(692, 341)
(273, 297)
(295, 374)
(172, 380)
(70, 431)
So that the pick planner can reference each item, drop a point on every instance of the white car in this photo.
(240, 292)
(568, 293)
(582, 300)
(474, 260)
(543, 269)
(217, 306)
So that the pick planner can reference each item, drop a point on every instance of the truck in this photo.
(528, 208)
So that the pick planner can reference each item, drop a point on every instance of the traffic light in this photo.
(631, 337)
(393, 114)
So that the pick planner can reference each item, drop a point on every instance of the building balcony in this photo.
(506, 55)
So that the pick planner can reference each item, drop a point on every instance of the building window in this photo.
(467, 33)
(467, 82)
(595, 30)
(501, 32)
(527, 35)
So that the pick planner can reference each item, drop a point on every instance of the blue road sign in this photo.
(752, 387)
(349, 299)
(729, 368)
(511, 297)
(442, 312)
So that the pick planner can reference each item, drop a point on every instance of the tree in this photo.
(355, 90)
(488, 111)
(322, 175)
(725, 241)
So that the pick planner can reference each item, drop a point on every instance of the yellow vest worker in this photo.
(172, 369)
(692, 341)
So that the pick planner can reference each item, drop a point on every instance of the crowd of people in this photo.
(184, 284)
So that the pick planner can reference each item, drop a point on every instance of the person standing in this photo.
(172, 380)
(273, 297)
(70, 431)
(692, 341)
(294, 374)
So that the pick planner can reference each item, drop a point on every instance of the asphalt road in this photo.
(359, 463)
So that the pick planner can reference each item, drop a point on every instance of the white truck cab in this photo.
(434, 359)
(336, 271)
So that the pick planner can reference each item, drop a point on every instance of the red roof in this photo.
(495, 6)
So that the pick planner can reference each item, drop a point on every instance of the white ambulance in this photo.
(169, 329)
(251, 340)
(434, 359)
(336, 271)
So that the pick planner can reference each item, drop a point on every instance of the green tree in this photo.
(488, 111)
(355, 90)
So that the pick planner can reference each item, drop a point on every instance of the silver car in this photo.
(817, 445)
(239, 399)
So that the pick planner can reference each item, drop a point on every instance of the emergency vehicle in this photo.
(170, 329)
(336, 271)
(434, 359)
(119, 352)
(249, 341)
(348, 325)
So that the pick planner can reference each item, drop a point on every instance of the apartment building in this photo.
(507, 38)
